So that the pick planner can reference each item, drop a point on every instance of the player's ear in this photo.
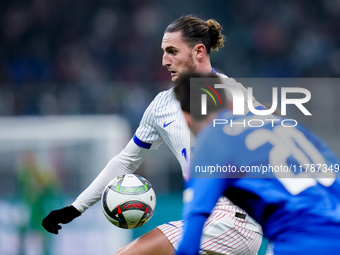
(187, 118)
(199, 51)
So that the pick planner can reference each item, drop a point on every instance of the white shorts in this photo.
(222, 234)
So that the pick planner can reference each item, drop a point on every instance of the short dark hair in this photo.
(189, 94)
(195, 30)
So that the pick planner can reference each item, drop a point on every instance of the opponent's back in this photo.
(278, 174)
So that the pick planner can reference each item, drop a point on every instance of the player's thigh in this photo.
(151, 243)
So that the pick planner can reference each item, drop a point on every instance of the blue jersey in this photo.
(283, 176)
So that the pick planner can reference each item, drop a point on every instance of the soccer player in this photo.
(299, 210)
(186, 43)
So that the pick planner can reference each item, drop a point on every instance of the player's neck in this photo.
(204, 66)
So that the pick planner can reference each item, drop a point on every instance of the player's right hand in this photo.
(64, 215)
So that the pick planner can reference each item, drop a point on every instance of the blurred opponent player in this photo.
(298, 211)
(186, 43)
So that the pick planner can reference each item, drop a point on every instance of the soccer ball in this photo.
(128, 201)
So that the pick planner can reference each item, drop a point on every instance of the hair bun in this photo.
(215, 30)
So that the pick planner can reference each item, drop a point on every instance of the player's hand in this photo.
(64, 215)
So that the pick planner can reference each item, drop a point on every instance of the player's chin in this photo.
(174, 77)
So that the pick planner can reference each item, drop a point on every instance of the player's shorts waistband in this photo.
(240, 215)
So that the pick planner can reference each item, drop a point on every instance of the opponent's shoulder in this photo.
(213, 132)
(227, 129)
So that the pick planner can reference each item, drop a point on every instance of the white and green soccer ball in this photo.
(128, 201)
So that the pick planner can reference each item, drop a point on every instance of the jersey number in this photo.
(290, 142)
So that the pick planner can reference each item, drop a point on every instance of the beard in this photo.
(189, 67)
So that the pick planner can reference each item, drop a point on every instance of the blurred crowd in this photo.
(101, 56)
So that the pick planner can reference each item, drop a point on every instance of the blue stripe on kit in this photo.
(140, 143)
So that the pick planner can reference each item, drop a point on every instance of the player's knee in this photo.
(151, 243)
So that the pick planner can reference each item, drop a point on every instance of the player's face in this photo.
(177, 55)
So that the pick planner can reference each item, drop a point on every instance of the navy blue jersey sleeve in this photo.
(197, 209)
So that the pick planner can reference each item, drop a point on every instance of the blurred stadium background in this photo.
(77, 75)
